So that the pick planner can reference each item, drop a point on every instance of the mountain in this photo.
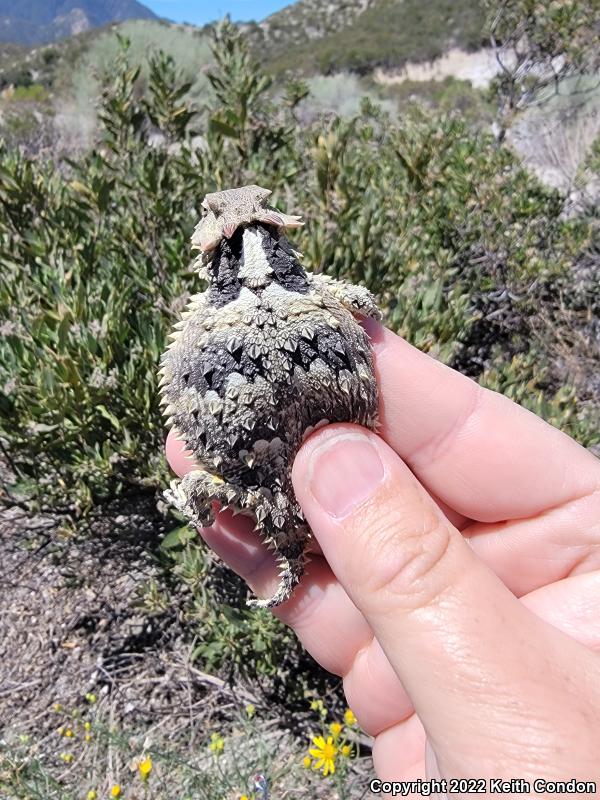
(310, 19)
(36, 21)
(360, 35)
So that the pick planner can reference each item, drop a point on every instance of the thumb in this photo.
(468, 653)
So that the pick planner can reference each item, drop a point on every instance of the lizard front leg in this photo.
(356, 299)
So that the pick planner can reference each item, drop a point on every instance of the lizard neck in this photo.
(254, 257)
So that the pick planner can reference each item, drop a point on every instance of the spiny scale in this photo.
(267, 354)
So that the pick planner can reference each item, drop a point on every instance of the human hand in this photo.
(457, 590)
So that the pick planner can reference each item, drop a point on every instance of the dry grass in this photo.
(76, 624)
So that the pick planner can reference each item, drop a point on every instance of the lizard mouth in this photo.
(207, 245)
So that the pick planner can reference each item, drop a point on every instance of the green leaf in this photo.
(178, 537)
(41, 427)
(222, 128)
(109, 416)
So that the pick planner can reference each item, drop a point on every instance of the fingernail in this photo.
(343, 472)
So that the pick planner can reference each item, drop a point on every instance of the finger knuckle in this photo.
(405, 556)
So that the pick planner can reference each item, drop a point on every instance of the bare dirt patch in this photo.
(479, 67)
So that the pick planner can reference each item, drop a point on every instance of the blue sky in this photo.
(201, 11)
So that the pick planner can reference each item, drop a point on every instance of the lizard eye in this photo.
(211, 203)
(262, 194)
(206, 208)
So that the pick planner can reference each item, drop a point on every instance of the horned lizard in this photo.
(267, 354)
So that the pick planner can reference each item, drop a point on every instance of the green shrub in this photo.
(340, 94)
(437, 220)
(448, 96)
(18, 75)
(34, 93)
(540, 45)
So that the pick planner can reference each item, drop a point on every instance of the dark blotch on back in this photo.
(288, 270)
(333, 349)
(223, 269)
(207, 369)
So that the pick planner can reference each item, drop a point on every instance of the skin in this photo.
(456, 583)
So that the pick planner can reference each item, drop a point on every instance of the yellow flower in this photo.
(88, 737)
(87, 726)
(91, 698)
(69, 733)
(349, 717)
(217, 744)
(61, 731)
(67, 757)
(324, 753)
(307, 762)
(145, 768)
(57, 707)
(335, 729)
(116, 791)
(91, 795)
(346, 750)
(244, 797)
(250, 711)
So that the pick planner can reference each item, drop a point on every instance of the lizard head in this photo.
(225, 212)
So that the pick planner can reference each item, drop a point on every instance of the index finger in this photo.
(477, 451)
